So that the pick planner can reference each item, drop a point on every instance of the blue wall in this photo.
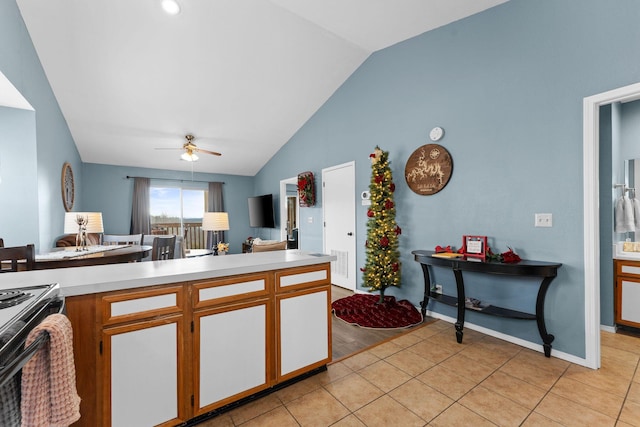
(20, 64)
(507, 86)
(108, 190)
(18, 177)
(630, 131)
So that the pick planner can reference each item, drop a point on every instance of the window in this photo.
(176, 210)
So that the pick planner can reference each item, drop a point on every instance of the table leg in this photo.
(461, 305)
(547, 338)
(427, 289)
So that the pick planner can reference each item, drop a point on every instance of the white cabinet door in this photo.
(303, 320)
(630, 303)
(231, 351)
(145, 372)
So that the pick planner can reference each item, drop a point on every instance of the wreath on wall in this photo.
(306, 189)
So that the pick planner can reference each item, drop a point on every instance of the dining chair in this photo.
(1, 242)
(163, 248)
(122, 239)
(10, 256)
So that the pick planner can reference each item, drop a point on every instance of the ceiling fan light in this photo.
(171, 7)
(189, 157)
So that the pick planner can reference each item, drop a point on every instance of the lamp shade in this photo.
(93, 222)
(189, 156)
(215, 221)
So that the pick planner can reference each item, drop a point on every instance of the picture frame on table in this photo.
(475, 246)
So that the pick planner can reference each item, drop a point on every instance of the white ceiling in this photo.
(241, 75)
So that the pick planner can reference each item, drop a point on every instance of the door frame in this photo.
(352, 270)
(591, 174)
(283, 208)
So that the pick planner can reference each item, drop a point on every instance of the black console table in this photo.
(546, 270)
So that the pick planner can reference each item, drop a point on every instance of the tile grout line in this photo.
(547, 393)
(626, 396)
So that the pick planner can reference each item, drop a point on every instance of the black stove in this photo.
(13, 297)
(21, 310)
(21, 304)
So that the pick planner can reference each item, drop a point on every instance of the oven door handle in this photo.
(10, 369)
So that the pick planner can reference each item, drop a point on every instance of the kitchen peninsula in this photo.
(168, 341)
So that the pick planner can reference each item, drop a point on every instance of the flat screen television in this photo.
(261, 211)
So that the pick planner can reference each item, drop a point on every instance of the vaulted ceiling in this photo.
(242, 76)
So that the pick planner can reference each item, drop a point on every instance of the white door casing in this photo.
(591, 174)
(339, 219)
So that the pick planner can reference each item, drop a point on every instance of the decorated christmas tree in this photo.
(382, 268)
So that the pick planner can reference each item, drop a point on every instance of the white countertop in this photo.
(104, 278)
(618, 253)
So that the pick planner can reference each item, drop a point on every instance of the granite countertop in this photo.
(112, 277)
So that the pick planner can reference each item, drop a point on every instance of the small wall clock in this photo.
(67, 187)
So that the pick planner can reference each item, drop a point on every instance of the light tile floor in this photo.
(424, 378)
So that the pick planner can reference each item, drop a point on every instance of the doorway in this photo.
(289, 212)
(339, 216)
(591, 175)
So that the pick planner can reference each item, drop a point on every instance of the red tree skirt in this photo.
(363, 310)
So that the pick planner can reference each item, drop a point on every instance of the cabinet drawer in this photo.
(230, 289)
(143, 304)
(302, 277)
(627, 268)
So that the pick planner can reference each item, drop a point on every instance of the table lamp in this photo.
(82, 223)
(215, 221)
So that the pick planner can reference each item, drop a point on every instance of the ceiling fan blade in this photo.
(200, 150)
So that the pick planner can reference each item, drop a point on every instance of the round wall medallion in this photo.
(68, 187)
(428, 169)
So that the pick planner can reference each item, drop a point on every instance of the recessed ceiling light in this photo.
(171, 7)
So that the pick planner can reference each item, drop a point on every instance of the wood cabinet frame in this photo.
(621, 276)
(95, 322)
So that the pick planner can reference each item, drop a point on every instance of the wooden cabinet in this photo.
(232, 326)
(627, 293)
(303, 324)
(142, 357)
(163, 355)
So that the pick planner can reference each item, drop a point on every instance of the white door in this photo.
(339, 212)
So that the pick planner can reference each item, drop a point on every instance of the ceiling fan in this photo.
(190, 150)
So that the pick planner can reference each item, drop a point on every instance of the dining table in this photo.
(93, 255)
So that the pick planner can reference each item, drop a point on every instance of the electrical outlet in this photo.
(544, 220)
(437, 289)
